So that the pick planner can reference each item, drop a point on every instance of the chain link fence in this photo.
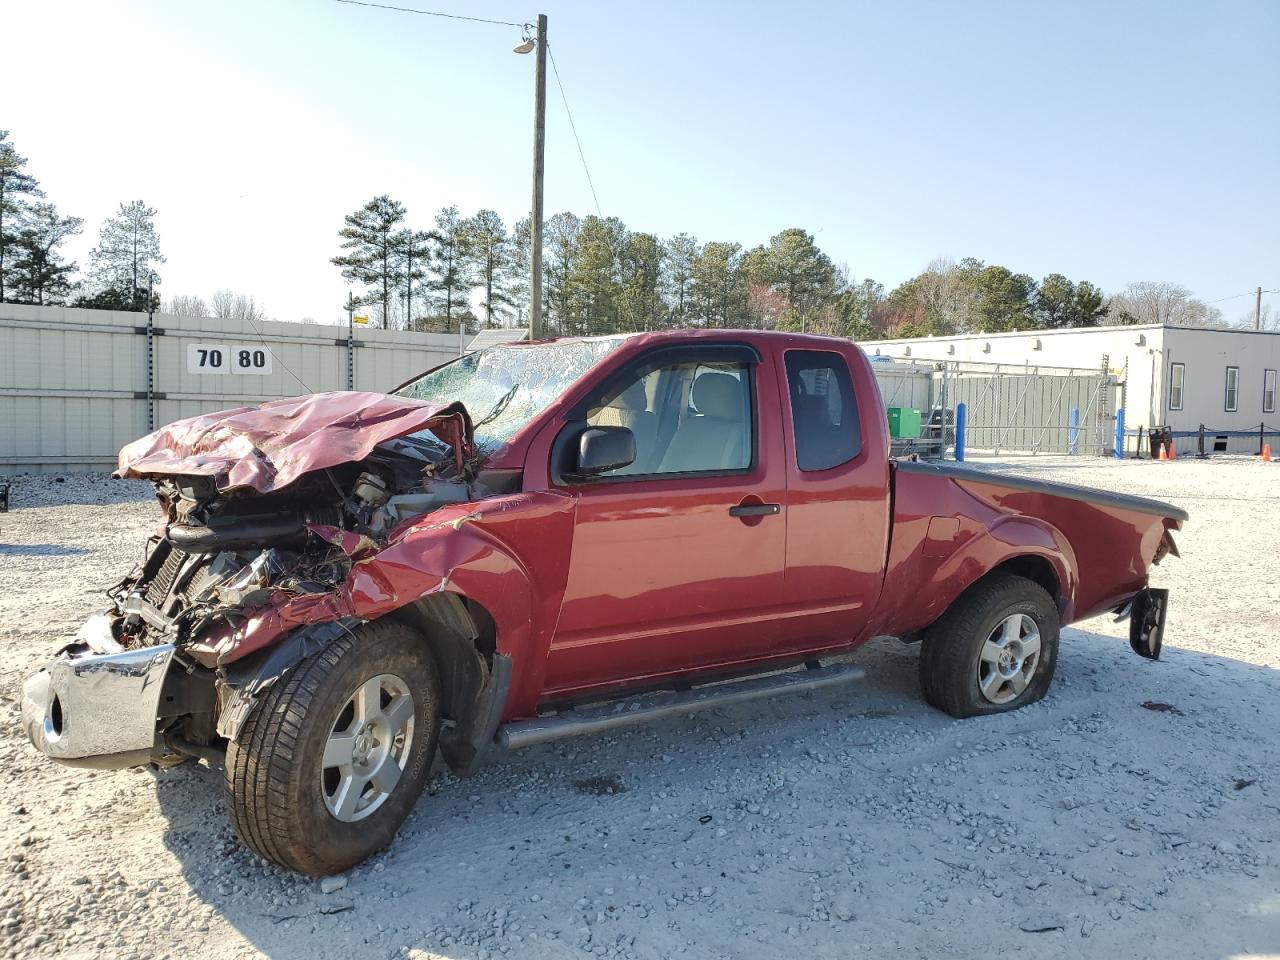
(1011, 409)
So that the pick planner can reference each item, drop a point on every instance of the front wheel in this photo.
(994, 649)
(332, 760)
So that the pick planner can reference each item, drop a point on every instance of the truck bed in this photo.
(952, 524)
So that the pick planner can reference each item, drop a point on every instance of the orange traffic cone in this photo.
(1266, 453)
(1173, 451)
(1160, 452)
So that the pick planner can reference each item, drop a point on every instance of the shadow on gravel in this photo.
(40, 550)
(1087, 824)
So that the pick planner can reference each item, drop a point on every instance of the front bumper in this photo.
(95, 705)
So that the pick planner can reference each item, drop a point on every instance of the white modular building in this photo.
(1179, 377)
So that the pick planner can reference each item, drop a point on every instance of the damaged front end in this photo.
(266, 511)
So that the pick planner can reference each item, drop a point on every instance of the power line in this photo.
(1237, 296)
(432, 13)
(574, 128)
(258, 330)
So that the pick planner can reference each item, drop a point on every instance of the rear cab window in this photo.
(824, 411)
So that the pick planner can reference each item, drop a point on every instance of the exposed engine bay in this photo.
(219, 556)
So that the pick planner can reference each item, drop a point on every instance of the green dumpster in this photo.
(904, 423)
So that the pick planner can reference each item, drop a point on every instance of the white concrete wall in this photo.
(71, 380)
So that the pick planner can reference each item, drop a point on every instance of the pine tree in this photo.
(489, 257)
(559, 258)
(640, 304)
(373, 261)
(594, 280)
(14, 185)
(681, 255)
(40, 275)
(718, 293)
(793, 265)
(120, 265)
(521, 276)
(449, 265)
(413, 248)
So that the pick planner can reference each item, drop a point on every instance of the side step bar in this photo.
(598, 719)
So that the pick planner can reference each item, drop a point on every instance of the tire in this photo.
(285, 805)
(962, 676)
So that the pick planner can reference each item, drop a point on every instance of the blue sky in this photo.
(1107, 141)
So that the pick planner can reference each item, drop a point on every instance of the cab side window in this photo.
(824, 413)
(690, 417)
(632, 407)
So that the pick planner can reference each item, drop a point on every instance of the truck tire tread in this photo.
(949, 648)
(266, 765)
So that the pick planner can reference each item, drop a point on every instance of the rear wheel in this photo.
(994, 650)
(333, 759)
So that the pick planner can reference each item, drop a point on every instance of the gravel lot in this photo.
(836, 824)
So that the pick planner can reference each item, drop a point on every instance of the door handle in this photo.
(755, 510)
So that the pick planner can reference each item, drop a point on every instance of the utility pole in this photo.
(539, 143)
(1257, 309)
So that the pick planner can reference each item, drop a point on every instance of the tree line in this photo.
(121, 274)
(600, 277)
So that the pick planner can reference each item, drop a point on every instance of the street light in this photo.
(528, 44)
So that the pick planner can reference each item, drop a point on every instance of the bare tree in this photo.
(186, 307)
(1149, 301)
(1269, 320)
(236, 306)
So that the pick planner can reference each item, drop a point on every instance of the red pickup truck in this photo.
(555, 538)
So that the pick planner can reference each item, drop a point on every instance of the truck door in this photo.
(677, 559)
(837, 493)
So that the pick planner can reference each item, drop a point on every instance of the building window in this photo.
(1175, 386)
(1232, 400)
(1268, 391)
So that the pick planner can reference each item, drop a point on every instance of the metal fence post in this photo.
(351, 352)
(1200, 443)
(962, 415)
(1119, 451)
(1073, 431)
(151, 363)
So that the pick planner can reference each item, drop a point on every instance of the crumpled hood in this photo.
(270, 446)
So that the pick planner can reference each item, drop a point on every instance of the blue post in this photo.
(1073, 432)
(962, 415)
(1120, 434)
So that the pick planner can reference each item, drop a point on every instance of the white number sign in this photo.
(207, 358)
(222, 358)
(251, 359)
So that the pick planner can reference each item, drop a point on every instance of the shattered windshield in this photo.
(504, 387)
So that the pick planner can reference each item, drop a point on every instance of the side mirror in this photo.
(601, 449)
